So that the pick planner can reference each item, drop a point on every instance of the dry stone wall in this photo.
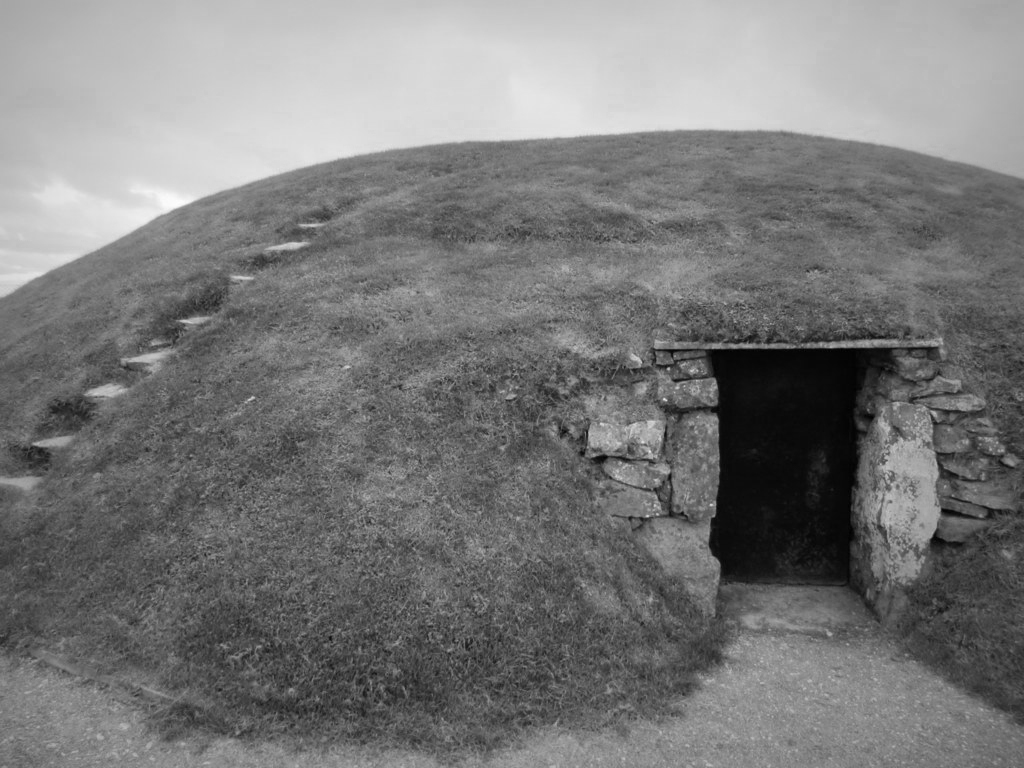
(931, 465)
(656, 441)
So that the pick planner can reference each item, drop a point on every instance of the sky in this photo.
(115, 111)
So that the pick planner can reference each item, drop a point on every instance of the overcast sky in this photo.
(114, 111)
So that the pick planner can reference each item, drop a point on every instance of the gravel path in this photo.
(782, 698)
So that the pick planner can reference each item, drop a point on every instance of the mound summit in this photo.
(354, 500)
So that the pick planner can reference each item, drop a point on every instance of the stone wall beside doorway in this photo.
(929, 464)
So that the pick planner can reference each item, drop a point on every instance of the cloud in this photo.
(164, 199)
(58, 221)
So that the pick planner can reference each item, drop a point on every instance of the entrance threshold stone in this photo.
(805, 610)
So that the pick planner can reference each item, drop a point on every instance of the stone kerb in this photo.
(661, 474)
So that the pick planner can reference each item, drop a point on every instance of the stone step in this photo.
(194, 322)
(147, 363)
(54, 443)
(159, 343)
(25, 483)
(105, 392)
(312, 224)
(297, 245)
(241, 279)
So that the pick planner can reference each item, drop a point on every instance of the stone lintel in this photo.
(669, 344)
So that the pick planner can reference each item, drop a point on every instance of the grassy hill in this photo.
(353, 503)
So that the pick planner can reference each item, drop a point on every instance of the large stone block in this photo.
(895, 507)
(639, 474)
(617, 500)
(639, 440)
(697, 368)
(680, 547)
(687, 395)
(694, 454)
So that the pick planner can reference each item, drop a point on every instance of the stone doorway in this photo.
(788, 454)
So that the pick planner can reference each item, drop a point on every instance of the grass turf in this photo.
(328, 514)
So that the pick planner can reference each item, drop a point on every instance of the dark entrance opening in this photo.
(788, 455)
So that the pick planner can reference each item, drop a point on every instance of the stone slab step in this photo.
(297, 245)
(241, 279)
(54, 443)
(159, 343)
(312, 224)
(195, 322)
(26, 483)
(147, 363)
(105, 392)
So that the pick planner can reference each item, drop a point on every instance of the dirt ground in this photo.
(810, 680)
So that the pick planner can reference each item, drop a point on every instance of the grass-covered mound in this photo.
(967, 617)
(353, 502)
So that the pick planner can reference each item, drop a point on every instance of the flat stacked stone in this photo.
(24, 483)
(105, 392)
(639, 474)
(641, 440)
(147, 363)
(241, 279)
(297, 245)
(53, 444)
(195, 321)
(969, 451)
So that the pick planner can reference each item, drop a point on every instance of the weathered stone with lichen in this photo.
(969, 468)
(694, 455)
(950, 439)
(687, 395)
(616, 500)
(989, 445)
(697, 368)
(680, 547)
(991, 494)
(639, 440)
(896, 507)
(894, 387)
(639, 474)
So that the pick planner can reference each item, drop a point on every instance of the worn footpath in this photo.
(810, 680)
